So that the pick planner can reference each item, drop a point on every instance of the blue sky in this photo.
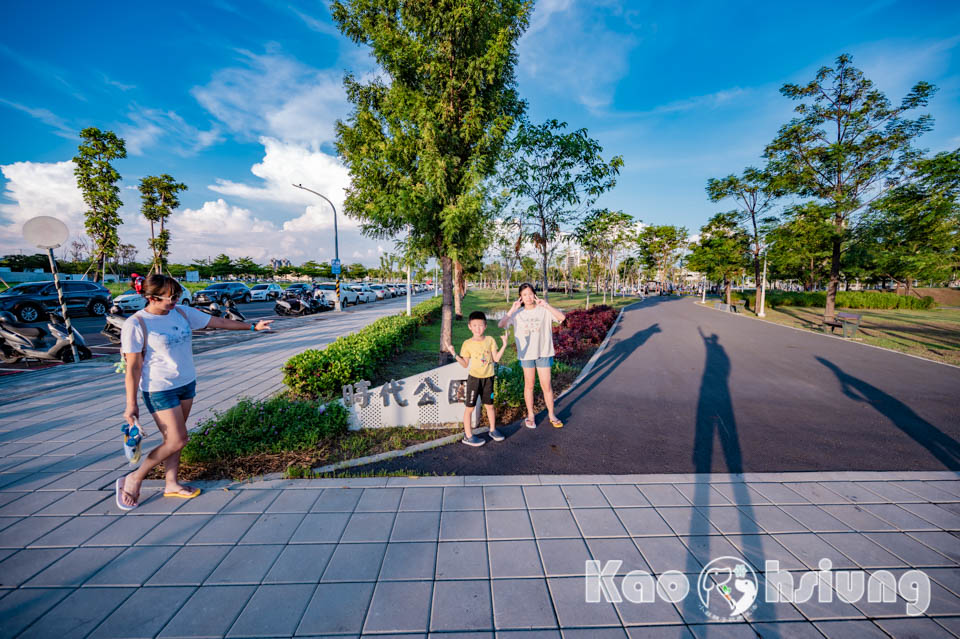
(238, 100)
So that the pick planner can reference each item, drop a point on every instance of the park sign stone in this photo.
(431, 399)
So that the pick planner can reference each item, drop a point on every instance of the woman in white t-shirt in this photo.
(531, 318)
(156, 344)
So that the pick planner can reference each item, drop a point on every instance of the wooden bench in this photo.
(845, 321)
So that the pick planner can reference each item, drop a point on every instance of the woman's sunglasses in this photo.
(161, 298)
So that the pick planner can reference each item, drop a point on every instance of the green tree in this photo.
(723, 251)
(221, 266)
(755, 192)
(246, 266)
(660, 247)
(800, 245)
(97, 180)
(553, 177)
(419, 146)
(159, 197)
(847, 146)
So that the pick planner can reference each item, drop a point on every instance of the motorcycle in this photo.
(296, 305)
(24, 340)
(229, 310)
(115, 319)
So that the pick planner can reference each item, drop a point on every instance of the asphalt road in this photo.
(683, 388)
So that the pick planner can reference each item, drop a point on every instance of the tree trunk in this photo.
(828, 312)
(457, 292)
(446, 311)
(546, 285)
(587, 284)
(727, 286)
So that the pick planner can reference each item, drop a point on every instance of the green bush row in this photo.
(272, 425)
(321, 374)
(845, 299)
(508, 384)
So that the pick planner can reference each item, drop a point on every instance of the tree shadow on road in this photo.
(941, 445)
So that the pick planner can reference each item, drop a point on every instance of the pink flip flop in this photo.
(119, 490)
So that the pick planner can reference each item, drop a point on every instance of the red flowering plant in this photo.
(582, 330)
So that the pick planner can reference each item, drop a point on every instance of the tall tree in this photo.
(723, 251)
(660, 247)
(159, 198)
(799, 247)
(97, 180)
(846, 148)
(508, 240)
(554, 177)
(755, 192)
(423, 135)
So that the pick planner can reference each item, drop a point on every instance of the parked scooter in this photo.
(115, 319)
(229, 310)
(294, 305)
(24, 340)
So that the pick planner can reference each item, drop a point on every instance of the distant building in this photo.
(276, 263)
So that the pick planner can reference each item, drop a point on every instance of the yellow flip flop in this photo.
(556, 423)
(178, 495)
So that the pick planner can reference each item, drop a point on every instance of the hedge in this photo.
(321, 374)
(845, 299)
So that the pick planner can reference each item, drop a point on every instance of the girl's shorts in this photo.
(157, 401)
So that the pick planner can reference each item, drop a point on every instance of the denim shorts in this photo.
(540, 362)
(164, 400)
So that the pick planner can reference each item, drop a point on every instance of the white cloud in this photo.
(38, 188)
(148, 126)
(59, 125)
(277, 96)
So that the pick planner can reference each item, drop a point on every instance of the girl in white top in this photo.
(531, 318)
(156, 344)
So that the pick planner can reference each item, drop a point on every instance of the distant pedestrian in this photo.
(479, 353)
(531, 318)
(156, 344)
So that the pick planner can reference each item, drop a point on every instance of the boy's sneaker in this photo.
(496, 435)
(131, 443)
(474, 441)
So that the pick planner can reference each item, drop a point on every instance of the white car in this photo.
(378, 291)
(364, 293)
(131, 301)
(347, 296)
(266, 292)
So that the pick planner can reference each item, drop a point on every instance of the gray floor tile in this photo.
(951, 486)
(503, 497)
(74, 532)
(599, 522)
(861, 550)
(75, 568)
(273, 611)
(773, 519)
(810, 548)
(250, 501)
(741, 493)
(379, 500)
(816, 493)
(687, 520)
(300, 563)
(462, 560)
(623, 495)
(778, 493)
(641, 522)
(702, 493)
(190, 566)
(523, 634)
(133, 567)
(722, 631)
(918, 628)
(210, 502)
(858, 518)
(462, 605)
(75, 503)
(544, 497)
(563, 557)
(758, 549)
(463, 498)
(730, 519)
(337, 500)
(786, 630)
(667, 553)
(174, 531)
(22, 607)
(355, 562)
(945, 543)
(320, 528)
(29, 503)
(850, 628)
(663, 495)
(891, 492)
(657, 611)
(909, 549)
(624, 550)
(514, 559)
(295, 501)
(368, 527)
(399, 607)
(275, 528)
(416, 526)
(426, 498)
(554, 523)
(508, 524)
(661, 632)
(245, 565)
(20, 534)
(461, 526)
(902, 519)
(936, 515)
(410, 561)
(78, 614)
(222, 529)
(952, 624)
(209, 612)
(521, 604)
(585, 496)
(143, 614)
(572, 608)
(925, 490)
(854, 492)
(124, 531)
(24, 564)
(336, 608)
(816, 519)
(707, 547)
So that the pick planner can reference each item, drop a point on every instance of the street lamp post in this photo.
(336, 243)
(761, 305)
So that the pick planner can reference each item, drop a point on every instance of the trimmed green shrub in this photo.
(508, 384)
(269, 426)
(845, 299)
(321, 374)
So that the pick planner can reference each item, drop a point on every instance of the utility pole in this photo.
(336, 244)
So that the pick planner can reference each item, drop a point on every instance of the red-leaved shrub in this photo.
(582, 330)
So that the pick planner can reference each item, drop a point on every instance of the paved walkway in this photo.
(683, 388)
(468, 556)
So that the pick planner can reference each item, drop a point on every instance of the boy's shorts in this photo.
(481, 387)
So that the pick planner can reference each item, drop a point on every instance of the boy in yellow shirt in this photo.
(479, 354)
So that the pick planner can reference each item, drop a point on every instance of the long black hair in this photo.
(525, 286)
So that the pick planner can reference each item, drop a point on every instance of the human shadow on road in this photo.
(941, 445)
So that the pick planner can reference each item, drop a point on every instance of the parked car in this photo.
(131, 301)
(364, 293)
(347, 296)
(221, 292)
(266, 292)
(31, 301)
(378, 291)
